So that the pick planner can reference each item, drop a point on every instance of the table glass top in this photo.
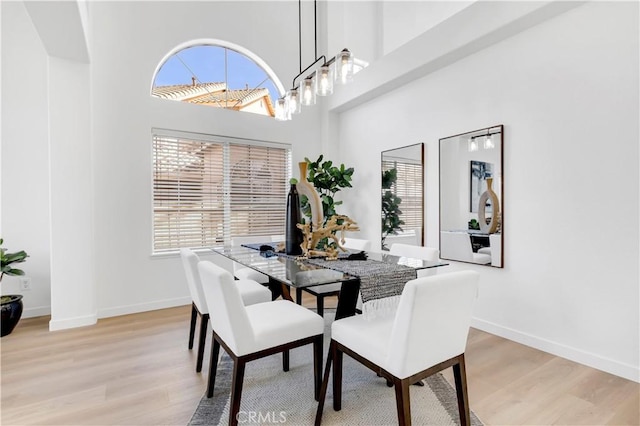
(299, 273)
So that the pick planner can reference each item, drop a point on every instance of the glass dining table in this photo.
(286, 272)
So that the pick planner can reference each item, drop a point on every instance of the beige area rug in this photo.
(272, 396)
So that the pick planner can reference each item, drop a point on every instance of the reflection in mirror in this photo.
(402, 196)
(471, 197)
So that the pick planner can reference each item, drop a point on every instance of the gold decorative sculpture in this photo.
(312, 237)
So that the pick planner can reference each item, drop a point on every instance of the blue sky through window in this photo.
(207, 63)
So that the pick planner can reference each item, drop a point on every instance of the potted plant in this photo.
(11, 304)
(328, 180)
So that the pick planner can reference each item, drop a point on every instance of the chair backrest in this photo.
(416, 252)
(228, 316)
(432, 321)
(456, 245)
(251, 239)
(357, 244)
(495, 241)
(190, 263)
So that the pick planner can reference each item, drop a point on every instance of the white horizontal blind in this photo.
(207, 190)
(258, 189)
(408, 187)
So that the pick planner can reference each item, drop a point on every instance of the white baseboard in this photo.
(39, 311)
(617, 368)
(143, 307)
(64, 324)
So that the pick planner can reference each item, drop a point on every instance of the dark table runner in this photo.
(381, 283)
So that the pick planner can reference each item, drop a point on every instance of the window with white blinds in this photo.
(408, 187)
(207, 189)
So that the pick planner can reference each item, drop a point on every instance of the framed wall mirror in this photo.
(471, 197)
(403, 196)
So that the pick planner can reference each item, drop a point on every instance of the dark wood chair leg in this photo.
(299, 296)
(286, 293)
(213, 366)
(403, 403)
(460, 377)
(317, 366)
(192, 328)
(236, 391)
(204, 322)
(320, 305)
(325, 385)
(285, 360)
(275, 287)
(337, 378)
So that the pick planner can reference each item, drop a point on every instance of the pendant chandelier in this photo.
(319, 77)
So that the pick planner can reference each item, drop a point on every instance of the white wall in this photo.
(567, 92)
(109, 100)
(405, 20)
(129, 39)
(25, 156)
(73, 292)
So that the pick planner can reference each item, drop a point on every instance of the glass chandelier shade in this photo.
(324, 81)
(308, 96)
(293, 101)
(343, 67)
(282, 112)
(473, 145)
(488, 143)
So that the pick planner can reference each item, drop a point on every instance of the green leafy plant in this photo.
(8, 259)
(328, 181)
(391, 222)
(474, 224)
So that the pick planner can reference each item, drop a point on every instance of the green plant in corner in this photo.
(11, 304)
(391, 222)
(8, 259)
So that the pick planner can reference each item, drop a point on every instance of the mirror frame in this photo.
(499, 128)
(422, 193)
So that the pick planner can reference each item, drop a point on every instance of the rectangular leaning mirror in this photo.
(471, 197)
(402, 196)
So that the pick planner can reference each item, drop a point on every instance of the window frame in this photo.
(226, 141)
(226, 45)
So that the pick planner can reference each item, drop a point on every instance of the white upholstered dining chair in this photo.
(413, 251)
(251, 293)
(253, 332)
(428, 334)
(456, 245)
(357, 244)
(243, 272)
(416, 252)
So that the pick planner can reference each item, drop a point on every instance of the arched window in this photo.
(218, 74)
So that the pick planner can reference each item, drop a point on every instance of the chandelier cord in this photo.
(300, 35)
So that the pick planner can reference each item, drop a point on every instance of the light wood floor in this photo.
(136, 370)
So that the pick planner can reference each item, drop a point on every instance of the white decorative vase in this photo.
(492, 226)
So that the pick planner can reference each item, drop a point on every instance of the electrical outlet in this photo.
(25, 283)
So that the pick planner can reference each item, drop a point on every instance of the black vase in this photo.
(293, 237)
